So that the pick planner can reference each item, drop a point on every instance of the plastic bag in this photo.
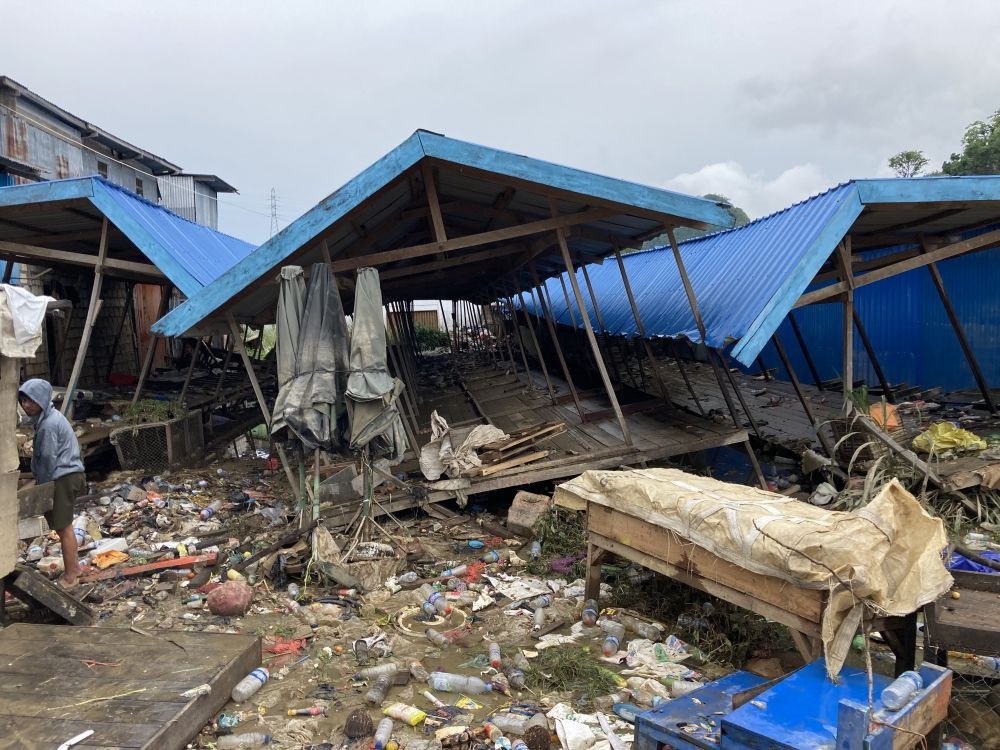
(946, 436)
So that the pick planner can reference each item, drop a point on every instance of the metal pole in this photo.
(824, 440)
(870, 351)
(538, 348)
(813, 372)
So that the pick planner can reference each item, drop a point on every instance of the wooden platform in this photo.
(593, 440)
(58, 681)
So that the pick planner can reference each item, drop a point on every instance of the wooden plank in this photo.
(121, 710)
(33, 585)
(674, 550)
(739, 598)
(180, 562)
(35, 732)
(44, 256)
(486, 471)
(503, 446)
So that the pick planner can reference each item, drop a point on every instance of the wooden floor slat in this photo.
(49, 678)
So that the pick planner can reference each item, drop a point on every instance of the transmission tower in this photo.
(274, 212)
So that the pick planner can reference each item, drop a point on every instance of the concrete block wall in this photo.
(114, 293)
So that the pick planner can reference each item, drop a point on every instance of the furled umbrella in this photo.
(315, 399)
(291, 304)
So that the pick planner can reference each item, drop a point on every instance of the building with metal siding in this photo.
(41, 141)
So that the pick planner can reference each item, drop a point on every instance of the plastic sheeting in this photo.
(371, 391)
(314, 400)
(885, 557)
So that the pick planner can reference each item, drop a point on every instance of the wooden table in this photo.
(51, 674)
(970, 624)
(654, 547)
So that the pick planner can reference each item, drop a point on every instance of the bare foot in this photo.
(68, 582)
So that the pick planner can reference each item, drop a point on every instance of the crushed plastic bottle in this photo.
(458, 570)
(250, 684)
(541, 601)
(690, 622)
(408, 577)
(240, 741)
(590, 613)
(377, 692)
(518, 724)
(515, 677)
(446, 682)
(538, 619)
(607, 702)
(495, 556)
(535, 550)
(418, 671)
(210, 510)
(293, 591)
(438, 639)
(494, 654)
(990, 663)
(361, 651)
(370, 673)
(457, 585)
(383, 733)
(679, 688)
(901, 690)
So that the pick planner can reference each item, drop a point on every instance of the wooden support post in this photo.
(88, 326)
(870, 351)
(190, 372)
(517, 334)
(963, 340)
(763, 368)
(129, 304)
(687, 381)
(154, 340)
(738, 392)
(843, 254)
(538, 348)
(230, 344)
(555, 341)
(8, 270)
(569, 308)
(664, 391)
(605, 348)
(444, 320)
(409, 411)
(813, 372)
(608, 387)
(786, 362)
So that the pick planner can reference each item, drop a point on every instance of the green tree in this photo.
(980, 149)
(686, 233)
(908, 163)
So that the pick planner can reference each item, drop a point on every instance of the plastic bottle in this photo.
(250, 684)
(424, 591)
(899, 692)
(457, 585)
(518, 745)
(211, 510)
(438, 639)
(610, 645)
(293, 591)
(678, 688)
(493, 732)
(538, 619)
(690, 622)
(458, 570)
(383, 733)
(433, 699)
(238, 741)
(541, 601)
(408, 577)
(428, 609)
(494, 653)
(494, 556)
(417, 670)
(370, 673)
(535, 550)
(360, 651)
(311, 711)
(407, 714)
(456, 683)
(519, 660)
(516, 723)
(605, 702)
(590, 612)
(515, 677)
(643, 629)
(437, 599)
(991, 663)
(377, 692)
(466, 598)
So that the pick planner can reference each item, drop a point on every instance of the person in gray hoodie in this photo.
(55, 457)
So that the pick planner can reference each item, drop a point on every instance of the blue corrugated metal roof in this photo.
(747, 279)
(185, 251)
(188, 254)
(735, 274)
(333, 216)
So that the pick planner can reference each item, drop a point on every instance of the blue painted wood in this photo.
(292, 238)
(797, 280)
(919, 716)
(930, 189)
(46, 192)
(852, 725)
(801, 711)
(660, 724)
(574, 180)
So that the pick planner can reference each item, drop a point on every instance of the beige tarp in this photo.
(886, 557)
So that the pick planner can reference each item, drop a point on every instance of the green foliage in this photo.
(430, 338)
(567, 669)
(908, 163)
(151, 410)
(980, 149)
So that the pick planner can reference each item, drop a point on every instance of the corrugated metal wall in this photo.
(206, 207)
(908, 327)
(177, 195)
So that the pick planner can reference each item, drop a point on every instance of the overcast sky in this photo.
(764, 102)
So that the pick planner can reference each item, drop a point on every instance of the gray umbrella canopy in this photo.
(314, 401)
(291, 304)
(371, 391)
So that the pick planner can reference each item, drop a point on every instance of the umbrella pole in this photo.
(315, 498)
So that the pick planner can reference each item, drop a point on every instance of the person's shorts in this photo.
(67, 489)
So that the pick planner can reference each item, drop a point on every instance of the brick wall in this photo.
(76, 285)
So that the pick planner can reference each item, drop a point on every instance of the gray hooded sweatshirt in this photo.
(55, 452)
